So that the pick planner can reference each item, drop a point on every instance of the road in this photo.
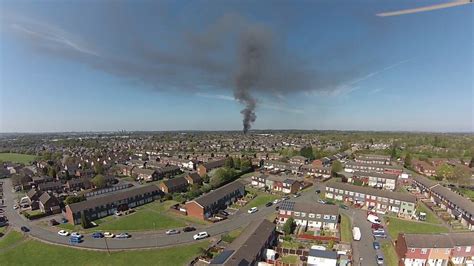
(139, 239)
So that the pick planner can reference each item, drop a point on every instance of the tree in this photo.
(237, 163)
(246, 165)
(289, 226)
(336, 167)
(74, 199)
(52, 172)
(461, 174)
(471, 164)
(229, 162)
(99, 181)
(307, 152)
(445, 171)
(85, 223)
(408, 159)
(98, 168)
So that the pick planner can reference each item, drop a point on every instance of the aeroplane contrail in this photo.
(424, 9)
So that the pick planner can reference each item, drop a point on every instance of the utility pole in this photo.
(156, 234)
(107, 245)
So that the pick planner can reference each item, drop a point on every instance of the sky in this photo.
(187, 65)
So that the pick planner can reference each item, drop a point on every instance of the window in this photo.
(282, 212)
(412, 250)
(297, 214)
(391, 201)
(318, 216)
(303, 214)
(458, 248)
(424, 251)
(447, 251)
(311, 215)
(326, 217)
(333, 217)
(468, 249)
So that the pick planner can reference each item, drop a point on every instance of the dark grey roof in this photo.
(195, 177)
(424, 181)
(45, 197)
(462, 239)
(214, 164)
(453, 197)
(88, 204)
(428, 241)
(373, 191)
(222, 257)
(252, 243)
(175, 182)
(327, 254)
(213, 196)
(310, 207)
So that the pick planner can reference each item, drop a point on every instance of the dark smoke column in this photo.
(253, 50)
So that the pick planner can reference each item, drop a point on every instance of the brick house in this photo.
(276, 183)
(311, 216)
(204, 168)
(173, 185)
(377, 180)
(49, 204)
(208, 204)
(193, 178)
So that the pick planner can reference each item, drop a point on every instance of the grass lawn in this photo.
(346, 231)
(140, 221)
(467, 193)
(291, 259)
(232, 235)
(17, 158)
(38, 253)
(430, 216)
(261, 199)
(390, 256)
(9, 239)
(402, 226)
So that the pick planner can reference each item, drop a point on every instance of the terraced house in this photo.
(107, 205)
(399, 203)
(311, 216)
(377, 168)
(377, 180)
(276, 183)
(373, 159)
(435, 249)
(459, 207)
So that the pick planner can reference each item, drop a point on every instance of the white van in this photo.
(356, 233)
(373, 219)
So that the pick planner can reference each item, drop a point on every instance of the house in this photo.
(203, 169)
(351, 167)
(208, 204)
(456, 205)
(276, 183)
(316, 171)
(77, 184)
(193, 178)
(249, 248)
(373, 159)
(144, 174)
(299, 160)
(166, 172)
(435, 249)
(424, 168)
(317, 257)
(34, 195)
(54, 186)
(49, 204)
(377, 180)
(281, 166)
(107, 205)
(178, 184)
(311, 216)
(402, 204)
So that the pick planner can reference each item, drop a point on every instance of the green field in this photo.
(402, 226)
(467, 193)
(390, 256)
(10, 239)
(430, 216)
(17, 158)
(290, 259)
(346, 231)
(37, 253)
(261, 199)
(140, 221)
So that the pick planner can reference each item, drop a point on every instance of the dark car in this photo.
(53, 222)
(277, 208)
(224, 213)
(25, 229)
(376, 245)
(269, 204)
(189, 229)
(64, 221)
(344, 207)
(97, 235)
(376, 226)
(318, 191)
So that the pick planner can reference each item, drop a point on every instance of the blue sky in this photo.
(94, 66)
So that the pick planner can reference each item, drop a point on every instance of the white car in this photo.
(63, 233)
(253, 210)
(276, 201)
(76, 234)
(200, 235)
(109, 235)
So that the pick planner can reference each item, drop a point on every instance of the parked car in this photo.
(25, 229)
(97, 235)
(189, 229)
(200, 235)
(172, 232)
(224, 213)
(296, 195)
(64, 221)
(76, 234)
(117, 213)
(75, 240)
(63, 233)
(122, 235)
(376, 226)
(15, 207)
(379, 231)
(53, 222)
(269, 204)
(379, 259)
(277, 208)
(373, 219)
(109, 235)
(286, 197)
(344, 206)
(276, 201)
(253, 210)
(321, 201)
(318, 191)
(376, 245)
(380, 235)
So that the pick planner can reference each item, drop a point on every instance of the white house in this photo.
(318, 257)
